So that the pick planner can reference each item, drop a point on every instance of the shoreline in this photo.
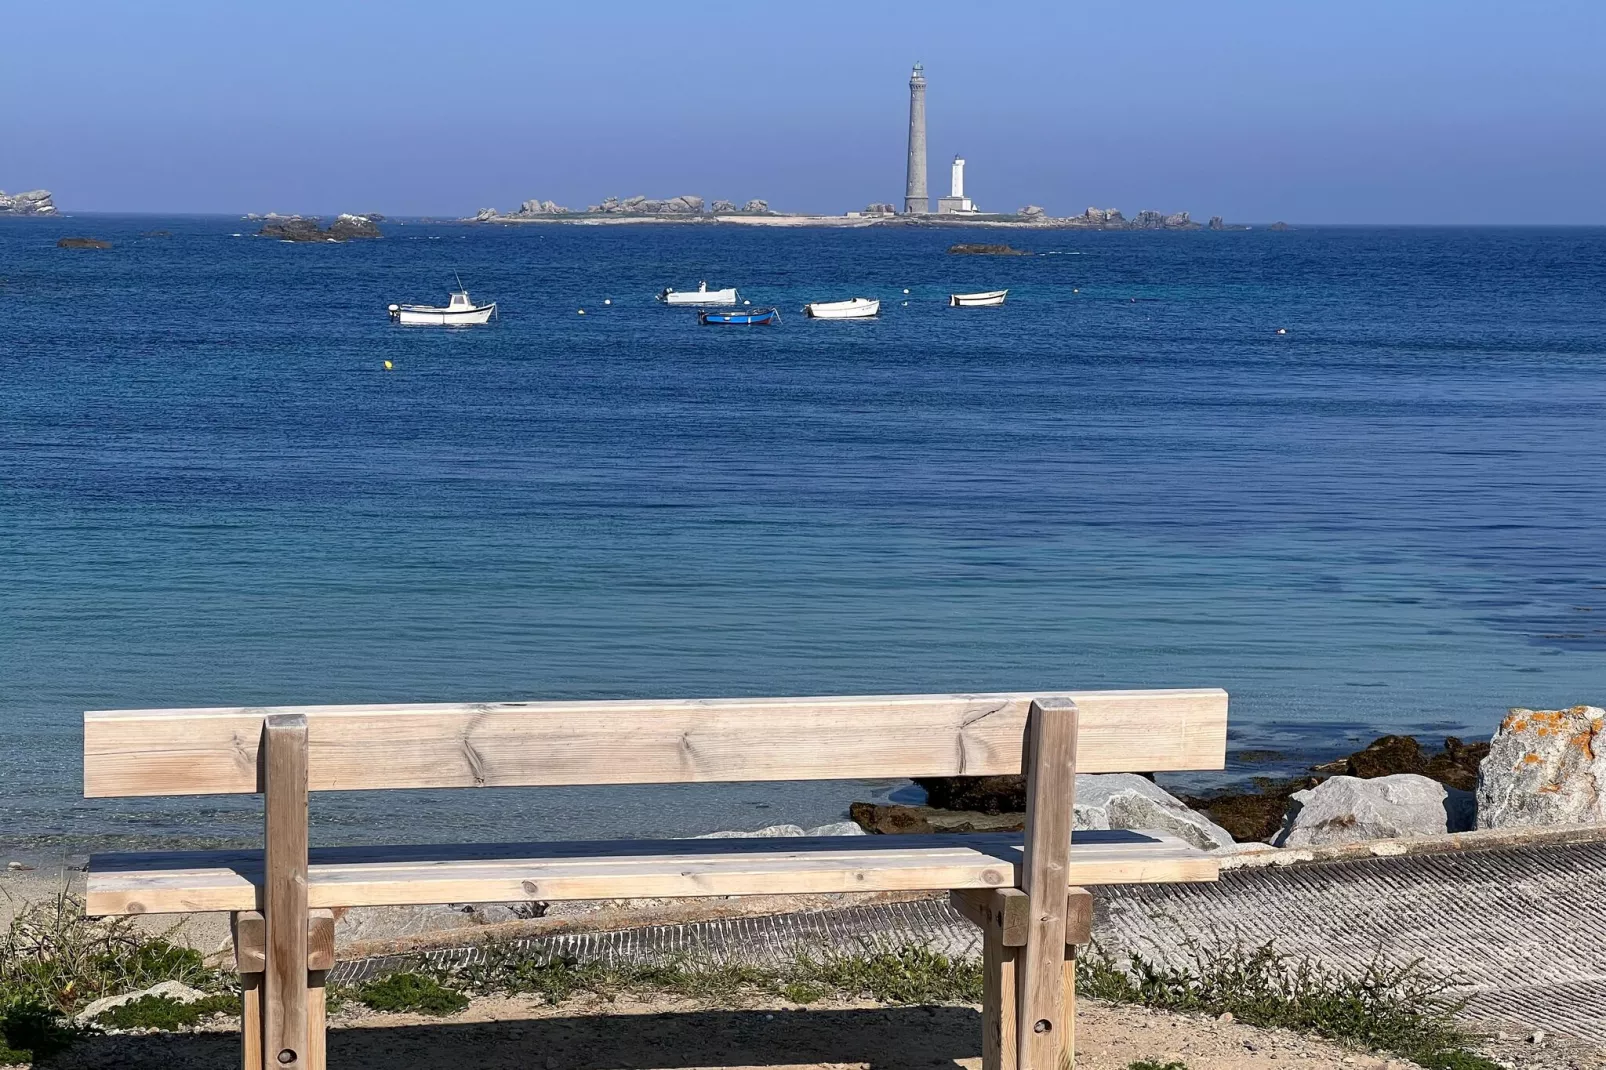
(834, 221)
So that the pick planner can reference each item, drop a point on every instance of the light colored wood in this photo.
(1051, 749)
(284, 892)
(997, 1002)
(251, 1022)
(1068, 1003)
(320, 940)
(213, 751)
(250, 930)
(317, 1028)
(1078, 915)
(180, 882)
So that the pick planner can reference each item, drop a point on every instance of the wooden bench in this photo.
(1026, 891)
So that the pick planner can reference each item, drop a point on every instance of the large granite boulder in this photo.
(534, 207)
(1346, 809)
(1129, 801)
(485, 215)
(723, 207)
(1032, 213)
(306, 229)
(1545, 767)
(33, 202)
(756, 207)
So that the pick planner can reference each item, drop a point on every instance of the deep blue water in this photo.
(1393, 517)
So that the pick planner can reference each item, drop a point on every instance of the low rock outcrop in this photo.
(687, 205)
(1346, 809)
(1456, 766)
(306, 229)
(82, 243)
(535, 207)
(1032, 213)
(973, 249)
(33, 202)
(1279, 225)
(756, 207)
(1107, 801)
(173, 990)
(723, 207)
(1150, 220)
(1545, 767)
(835, 828)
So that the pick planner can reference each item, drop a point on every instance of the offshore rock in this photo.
(347, 227)
(82, 243)
(1149, 220)
(34, 202)
(723, 207)
(1279, 225)
(1346, 809)
(1129, 801)
(756, 207)
(1545, 767)
(687, 205)
(1103, 217)
(535, 207)
(485, 215)
(1456, 766)
(973, 249)
(1032, 213)
(1217, 223)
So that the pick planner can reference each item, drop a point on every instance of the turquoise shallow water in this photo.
(1392, 517)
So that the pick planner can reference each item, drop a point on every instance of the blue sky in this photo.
(1415, 111)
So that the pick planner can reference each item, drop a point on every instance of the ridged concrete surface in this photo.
(1523, 927)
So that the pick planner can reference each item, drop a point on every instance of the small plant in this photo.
(165, 1012)
(802, 992)
(1154, 1064)
(30, 1031)
(413, 992)
(1400, 1009)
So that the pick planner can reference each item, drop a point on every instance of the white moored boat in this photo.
(857, 308)
(981, 300)
(700, 296)
(460, 310)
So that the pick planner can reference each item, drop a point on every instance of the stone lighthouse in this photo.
(915, 199)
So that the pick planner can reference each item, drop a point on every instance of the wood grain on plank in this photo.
(213, 751)
(179, 882)
(284, 891)
(1051, 750)
(998, 1048)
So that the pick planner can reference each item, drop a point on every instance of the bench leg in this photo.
(1050, 764)
(251, 1021)
(284, 894)
(317, 1047)
(997, 1001)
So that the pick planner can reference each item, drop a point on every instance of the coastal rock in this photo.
(1129, 801)
(1103, 217)
(1279, 225)
(485, 215)
(1346, 809)
(1545, 767)
(1251, 816)
(173, 990)
(82, 243)
(687, 205)
(1109, 801)
(535, 207)
(1456, 766)
(975, 249)
(33, 202)
(892, 819)
(756, 207)
(723, 207)
(1217, 223)
(835, 828)
(1032, 213)
(984, 794)
(347, 227)
(1151, 220)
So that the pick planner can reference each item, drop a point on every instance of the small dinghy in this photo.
(459, 311)
(700, 296)
(857, 308)
(982, 300)
(747, 316)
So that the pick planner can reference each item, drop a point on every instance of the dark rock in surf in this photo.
(83, 243)
(972, 249)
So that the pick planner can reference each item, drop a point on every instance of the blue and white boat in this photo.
(747, 316)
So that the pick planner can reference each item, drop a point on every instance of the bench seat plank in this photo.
(180, 882)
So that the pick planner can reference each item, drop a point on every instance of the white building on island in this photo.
(956, 203)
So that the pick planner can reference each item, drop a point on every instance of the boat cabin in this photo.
(460, 300)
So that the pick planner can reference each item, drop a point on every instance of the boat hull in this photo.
(860, 308)
(991, 299)
(756, 318)
(440, 317)
(699, 297)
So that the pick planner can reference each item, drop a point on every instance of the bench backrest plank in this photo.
(508, 744)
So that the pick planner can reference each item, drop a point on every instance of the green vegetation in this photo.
(53, 961)
(411, 992)
(1398, 1009)
(164, 1012)
(1151, 1064)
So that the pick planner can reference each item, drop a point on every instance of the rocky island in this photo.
(298, 228)
(34, 202)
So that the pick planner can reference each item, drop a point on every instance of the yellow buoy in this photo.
(387, 365)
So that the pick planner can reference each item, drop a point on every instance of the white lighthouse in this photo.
(956, 203)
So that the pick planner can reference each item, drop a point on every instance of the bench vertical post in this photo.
(284, 893)
(1050, 764)
(250, 939)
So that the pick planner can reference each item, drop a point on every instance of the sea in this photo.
(1356, 476)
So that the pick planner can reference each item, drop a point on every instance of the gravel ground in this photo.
(592, 1034)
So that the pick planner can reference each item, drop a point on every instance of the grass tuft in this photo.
(411, 992)
(164, 1012)
(1154, 1064)
(1400, 1009)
